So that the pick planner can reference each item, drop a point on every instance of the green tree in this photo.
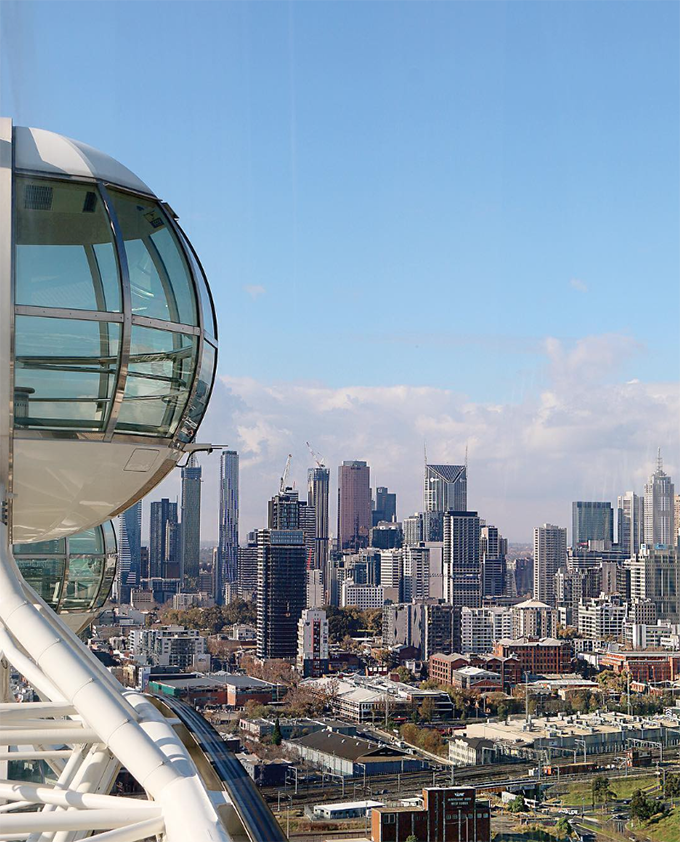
(672, 786)
(601, 790)
(404, 674)
(427, 709)
(518, 804)
(412, 838)
(563, 826)
(276, 733)
(642, 807)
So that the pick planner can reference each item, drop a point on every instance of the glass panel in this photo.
(64, 252)
(160, 282)
(45, 575)
(110, 542)
(159, 379)
(107, 581)
(57, 547)
(200, 399)
(82, 585)
(88, 541)
(209, 323)
(65, 372)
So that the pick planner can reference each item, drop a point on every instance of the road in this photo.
(255, 815)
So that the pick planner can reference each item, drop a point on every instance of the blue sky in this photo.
(392, 194)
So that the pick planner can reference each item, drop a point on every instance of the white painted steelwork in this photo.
(107, 357)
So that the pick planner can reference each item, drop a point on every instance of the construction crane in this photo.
(320, 462)
(286, 471)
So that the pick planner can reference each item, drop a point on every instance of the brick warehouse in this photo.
(450, 813)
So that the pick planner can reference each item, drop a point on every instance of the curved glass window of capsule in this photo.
(65, 255)
(161, 286)
(65, 372)
(160, 375)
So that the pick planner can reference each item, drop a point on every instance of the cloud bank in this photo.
(579, 435)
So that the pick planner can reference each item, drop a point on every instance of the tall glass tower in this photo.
(659, 507)
(191, 519)
(226, 569)
(130, 551)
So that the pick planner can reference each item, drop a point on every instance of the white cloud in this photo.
(582, 435)
(579, 285)
(254, 290)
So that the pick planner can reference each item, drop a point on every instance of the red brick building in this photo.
(448, 813)
(644, 667)
(547, 655)
(442, 667)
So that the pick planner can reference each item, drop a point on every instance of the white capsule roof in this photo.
(40, 151)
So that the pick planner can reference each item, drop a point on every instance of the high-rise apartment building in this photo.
(655, 575)
(312, 653)
(493, 548)
(412, 527)
(163, 548)
(427, 625)
(247, 568)
(281, 591)
(416, 576)
(445, 488)
(630, 522)
(462, 562)
(385, 506)
(676, 517)
(550, 554)
(659, 508)
(591, 522)
(191, 519)
(391, 569)
(354, 505)
(226, 569)
(129, 551)
(318, 484)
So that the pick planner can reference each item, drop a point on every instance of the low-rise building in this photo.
(547, 655)
(476, 678)
(447, 813)
(216, 689)
(472, 751)
(533, 618)
(351, 756)
(442, 667)
(345, 810)
(264, 772)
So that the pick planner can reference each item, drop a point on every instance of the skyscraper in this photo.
(445, 488)
(318, 484)
(191, 519)
(226, 569)
(493, 549)
(550, 554)
(659, 508)
(354, 505)
(129, 551)
(281, 591)
(385, 505)
(462, 562)
(591, 522)
(630, 524)
(163, 549)
(247, 568)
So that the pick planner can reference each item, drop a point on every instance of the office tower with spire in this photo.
(226, 568)
(191, 520)
(354, 505)
(659, 529)
(630, 522)
(550, 555)
(445, 488)
(591, 522)
(163, 544)
(129, 571)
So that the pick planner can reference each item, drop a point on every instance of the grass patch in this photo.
(666, 829)
(581, 792)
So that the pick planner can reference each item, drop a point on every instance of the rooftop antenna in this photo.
(659, 460)
(466, 457)
(425, 452)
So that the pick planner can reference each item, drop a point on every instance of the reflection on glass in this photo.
(65, 372)
(82, 584)
(159, 379)
(209, 323)
(45, 575)
(64, 250)
(160, 282)
(199, 401)
(73, 574)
